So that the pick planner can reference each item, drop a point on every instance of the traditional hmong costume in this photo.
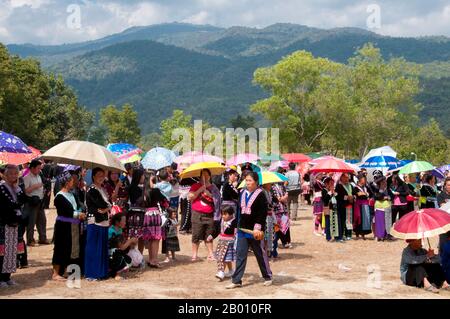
(171, 243)
(362, 220)
(428, 196)
(96, 256)
(383, 214)
(252, 213)
(345, 210)
(225, 251)
(11, 202)
(281, 218)
(269, 233)
(331, 215)
(67, 231)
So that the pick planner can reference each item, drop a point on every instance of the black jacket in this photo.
(257, 215)
(8, 213)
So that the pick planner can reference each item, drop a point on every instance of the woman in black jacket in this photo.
(399, 191)
(12, 199)
(252, 213)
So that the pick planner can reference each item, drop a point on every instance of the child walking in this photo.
(171, 244)
(225, 250)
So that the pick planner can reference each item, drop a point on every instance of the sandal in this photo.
(58, 278)
(211, 258)
(432, 289)
(153, 265)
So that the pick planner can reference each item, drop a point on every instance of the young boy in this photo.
(171, 244)
(225, 251)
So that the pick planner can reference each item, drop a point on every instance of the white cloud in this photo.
(32, 3)
(44, 21)
(202, 17)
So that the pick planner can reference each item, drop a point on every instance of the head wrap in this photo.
(64, 177)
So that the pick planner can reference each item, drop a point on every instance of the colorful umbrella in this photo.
(123, 148)
(129, 158)
(266, 177)
(12, 144)
(416, 167)
(322, 158)
(274, 166)
(242, 158)
(84, 154)
(332, 165)
(157, 158)
(296, 157)
(420, 224)
(381, 161)
(197, 157)
(195, 169)
(270, 157)
(445, 168)
(19, 158)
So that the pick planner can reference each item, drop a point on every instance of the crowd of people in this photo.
(107, 221)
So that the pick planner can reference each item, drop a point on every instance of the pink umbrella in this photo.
(332, 165)
(242, 158)
(274, 166)
(319, 159)
(197, 157)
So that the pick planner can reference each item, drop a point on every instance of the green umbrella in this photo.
(416, 167)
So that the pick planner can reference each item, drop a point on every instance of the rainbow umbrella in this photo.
(266, 177)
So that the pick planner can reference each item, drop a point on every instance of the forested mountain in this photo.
(208, 71)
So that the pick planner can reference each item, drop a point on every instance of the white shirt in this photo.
(31, 180)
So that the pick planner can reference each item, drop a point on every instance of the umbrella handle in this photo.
(428, 240)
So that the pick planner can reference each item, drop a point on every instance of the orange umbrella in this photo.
(19, 158)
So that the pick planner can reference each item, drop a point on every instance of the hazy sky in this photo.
(46, 21)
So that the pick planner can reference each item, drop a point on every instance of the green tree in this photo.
(121, 124)
(150, 141)
(243, 121)
(292, 106)
(429, 144)
(177, 120)
(38, 107)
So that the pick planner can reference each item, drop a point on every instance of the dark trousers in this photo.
(343, 231)
(327, 227)
(417, 273)
(241, 261)
(5, 277)
(185, 224)
(22, 259)
(399, 211)
(36, 217)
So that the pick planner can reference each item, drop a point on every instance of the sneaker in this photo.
(232, 286)
(229, 274)
(3, 284)
(11, 283)
(268, 282)
(348, 238)
(288, 246)
(220, 275)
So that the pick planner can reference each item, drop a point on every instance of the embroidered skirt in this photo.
(9, 248)
(152, 229)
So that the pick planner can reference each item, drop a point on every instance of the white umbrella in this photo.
(85, 154)
(385, 151)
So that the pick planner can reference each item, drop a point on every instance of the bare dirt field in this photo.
(313, 268)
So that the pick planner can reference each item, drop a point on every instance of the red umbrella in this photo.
(322, 158)
(420, 224)
(296, 157)
(332, 165)
(19, 158)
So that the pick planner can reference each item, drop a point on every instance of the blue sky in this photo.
(45, 21)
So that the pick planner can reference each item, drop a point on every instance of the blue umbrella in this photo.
(122, 148)
(12, 144)
(158, 158)
(381, 162)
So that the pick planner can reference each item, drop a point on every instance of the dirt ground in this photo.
(313, 268)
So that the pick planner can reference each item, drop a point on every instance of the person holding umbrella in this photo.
(252, 213)
(203, 208)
